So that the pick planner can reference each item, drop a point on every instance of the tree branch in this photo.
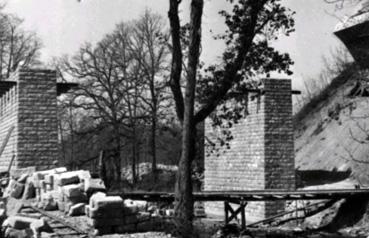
(230, 75)
(177, 56)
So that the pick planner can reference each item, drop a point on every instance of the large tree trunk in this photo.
(117, 154)
(102, 169)
(153, 121)
(183, 196)
(134, 156)
(118, 164)
(153, 144)
(183, 193)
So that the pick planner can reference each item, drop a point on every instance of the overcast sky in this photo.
(63, 25)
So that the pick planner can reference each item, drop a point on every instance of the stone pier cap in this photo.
(61, 87)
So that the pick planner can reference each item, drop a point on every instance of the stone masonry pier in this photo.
(28, 102)
(261, 154)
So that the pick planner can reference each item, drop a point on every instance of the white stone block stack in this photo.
(43, 181)
(106, 213)
(72, 194)
(63, 190)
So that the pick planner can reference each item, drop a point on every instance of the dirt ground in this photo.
(214, 228)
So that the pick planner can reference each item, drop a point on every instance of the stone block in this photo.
(96, 196)
(10, 188)
(23, 178)
(102, 231)
(78, 199)
(145, 226)
(14, 233)
(29, 191)
(131, 219)
(19, 172)
(39, 226)
(84, 175)
(103, 212)
(131, 206)
(61, 206)
(19, 222)
(105, 222)
(125, 228)
(77, 209)
(2, 214)
(49, 179)
(87, 210)
(94, 185)
(38, 194)
(67, 206)
(18, 190)
(43, 186)
(48, 187)
(67, 178)
(49, 203)
(106, 202)
(73, 190)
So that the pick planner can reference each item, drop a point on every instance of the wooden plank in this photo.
(257, 197)
(278, 196)
(295, 196)
(5, 141)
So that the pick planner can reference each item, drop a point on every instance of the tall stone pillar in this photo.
(37, 118)
(261, 154)
(28, 102)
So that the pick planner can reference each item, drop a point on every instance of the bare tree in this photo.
(17, 47)
(110, 80)
(152, 56)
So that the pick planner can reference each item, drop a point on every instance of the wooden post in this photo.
(226, 205)
(243, 215)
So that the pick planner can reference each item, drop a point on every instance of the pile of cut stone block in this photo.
(110, 214)
(66, 191)
(77, 193)
(106, 213)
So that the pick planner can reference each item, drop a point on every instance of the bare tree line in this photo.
(123, 84)
(18, 48)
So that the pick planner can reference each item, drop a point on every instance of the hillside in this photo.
(332, 132)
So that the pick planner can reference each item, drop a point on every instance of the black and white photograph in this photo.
(184, 118)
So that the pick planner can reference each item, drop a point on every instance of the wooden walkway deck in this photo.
(243, 197)
(252, 195)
